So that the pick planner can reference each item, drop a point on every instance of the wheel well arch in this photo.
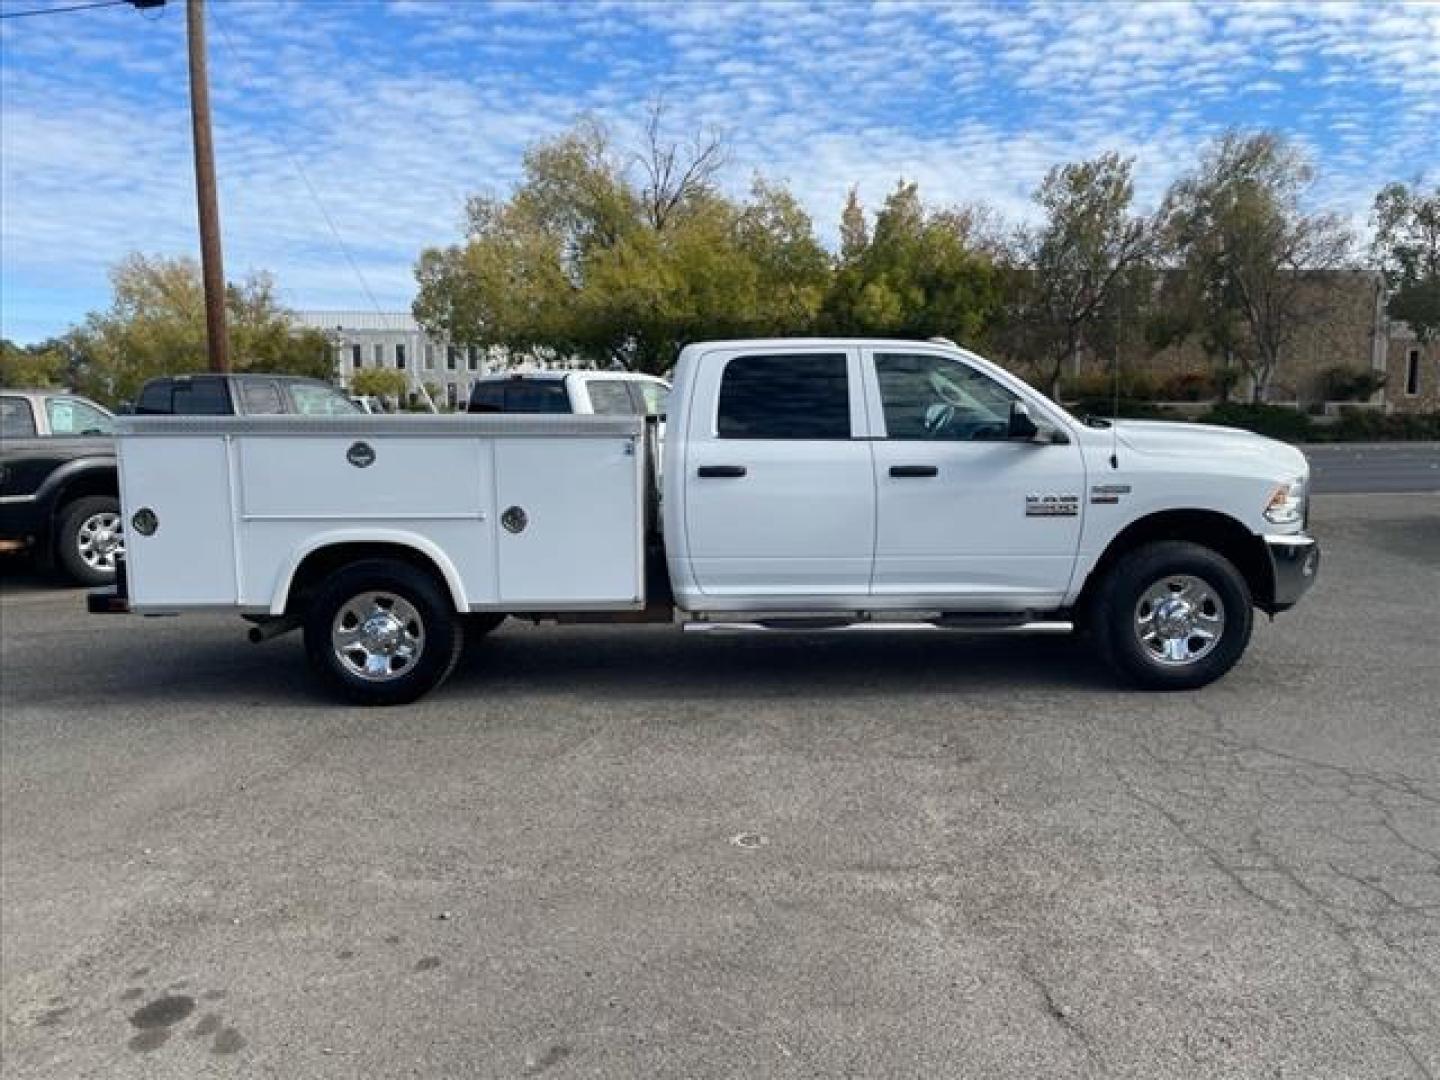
(324, 557)
(1220, 532)
(80, 482)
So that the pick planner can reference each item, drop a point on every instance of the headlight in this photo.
(1287, 503)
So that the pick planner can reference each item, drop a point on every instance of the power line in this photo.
(60, 10)
(234, 54)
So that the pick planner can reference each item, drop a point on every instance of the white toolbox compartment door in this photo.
(190, 559)
(581, 542)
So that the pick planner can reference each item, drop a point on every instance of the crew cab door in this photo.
(779, 490)
(964, 513)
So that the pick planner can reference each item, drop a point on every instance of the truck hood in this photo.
(1199, 443)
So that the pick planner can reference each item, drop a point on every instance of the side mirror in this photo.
(1021, 426)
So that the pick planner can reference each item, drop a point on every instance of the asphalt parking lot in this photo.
(628, 852)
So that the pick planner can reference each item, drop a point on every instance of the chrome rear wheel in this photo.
(377, 636)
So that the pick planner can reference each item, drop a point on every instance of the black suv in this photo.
(247, 394)
(59, 496)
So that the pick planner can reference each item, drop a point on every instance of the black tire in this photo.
(415, 594)
(78, 547)
(1114, 622)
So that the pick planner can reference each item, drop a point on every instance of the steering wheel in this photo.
(946, 390)
(939, 415)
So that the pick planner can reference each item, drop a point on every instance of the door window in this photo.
(656, 397)
(611, 397)
(16, 419)
(785, 397)
(261, 397)
(317, 399)
(71, 417)
(936, 397)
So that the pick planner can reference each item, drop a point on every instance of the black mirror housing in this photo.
(1021, 426)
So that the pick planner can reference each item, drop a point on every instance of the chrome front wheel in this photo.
(1179, 620)
(99, 541)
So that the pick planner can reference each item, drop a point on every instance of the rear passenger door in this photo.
(780, 494)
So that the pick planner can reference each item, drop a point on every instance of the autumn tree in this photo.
(1077, 261)
(619, 259)
(155, 325)
(33, 366)
(921, 271)
(1254, 262)
(379, 382)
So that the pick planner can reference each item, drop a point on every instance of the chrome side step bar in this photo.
(831, 626)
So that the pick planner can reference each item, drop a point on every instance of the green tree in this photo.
(155, 325)
(920, 272)
(1406, 250)
(41, 365)
(379, 382)
(1254, 261)
(619, 260)
(1078, 261)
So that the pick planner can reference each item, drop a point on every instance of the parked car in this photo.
(819, 485)
(243, 394)
(59, 496)
(602, 393)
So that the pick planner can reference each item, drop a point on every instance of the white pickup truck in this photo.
(809, 485)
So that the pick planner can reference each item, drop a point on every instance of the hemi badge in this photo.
(1108, 493)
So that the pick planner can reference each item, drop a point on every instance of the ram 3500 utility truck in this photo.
(807, 485)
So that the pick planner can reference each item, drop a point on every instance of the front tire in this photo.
(382, 632)
(1172, 616)
(90, 540)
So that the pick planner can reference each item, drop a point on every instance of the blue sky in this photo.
(394, 111)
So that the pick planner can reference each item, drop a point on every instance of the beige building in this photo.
(1354, 333)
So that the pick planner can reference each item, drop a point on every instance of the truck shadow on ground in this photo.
(658, 662)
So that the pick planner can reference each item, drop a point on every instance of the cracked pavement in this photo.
(975, 857)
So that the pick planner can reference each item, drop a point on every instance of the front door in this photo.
(963, 512)
(780, 500)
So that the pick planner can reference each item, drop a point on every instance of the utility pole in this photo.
(212, 266)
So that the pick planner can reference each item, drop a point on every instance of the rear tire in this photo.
(382, 632)
(1172, 616)
(90, 539)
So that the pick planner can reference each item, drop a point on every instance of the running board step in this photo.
(830, 626)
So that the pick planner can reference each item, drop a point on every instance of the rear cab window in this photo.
(785, 396)
(537, 396)
(17, 421)
(185, 397)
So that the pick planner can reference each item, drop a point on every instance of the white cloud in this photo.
(395, 113)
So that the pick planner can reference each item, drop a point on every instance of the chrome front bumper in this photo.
(1294, 563)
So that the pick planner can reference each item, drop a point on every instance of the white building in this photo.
(393, 339)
